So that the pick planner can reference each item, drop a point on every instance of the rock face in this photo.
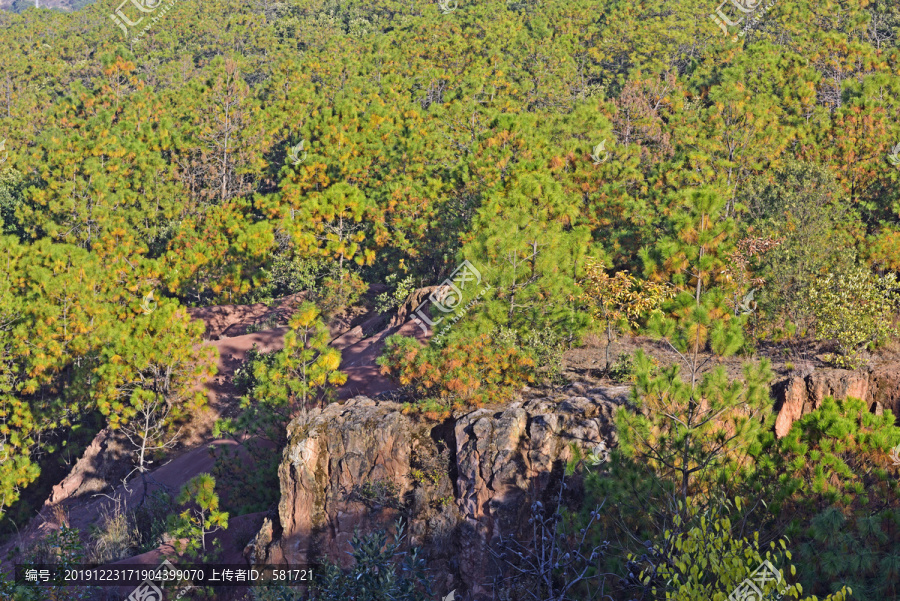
(799, 395)
(459, 484)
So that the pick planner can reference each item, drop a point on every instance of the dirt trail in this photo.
(81, 497)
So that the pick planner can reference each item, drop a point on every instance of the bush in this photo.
(244, 377)
(710, 561)
(623, 369)
(392, 299)
(545, 346)
(381, 572)
(378, 493)
(200, 518)
(63, 548)
(150, 519)
(336, 294)
(800, 206)
(464, 372)
(248, 485)
(854, 309)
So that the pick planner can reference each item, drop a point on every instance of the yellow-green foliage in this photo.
(464, 372)
(854, 309)
(708, 562)
(200, 518)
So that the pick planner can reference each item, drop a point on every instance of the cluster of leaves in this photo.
(282, 384)
(62, 547)
(855, 309)
(464, 372)
(200, 518)
(836, 454)
(707, 562)
(620, 301)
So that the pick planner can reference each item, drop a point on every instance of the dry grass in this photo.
(117, 537)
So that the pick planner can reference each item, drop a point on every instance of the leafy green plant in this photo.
(835, 454)
(620, 302)
(200, 518)
(244, 379)
(151, 519)
(248, 484)
(387, 301)
(337, 293)
(860, 550)
(382, 571)
(623, 369)
(708, 562)
(63, 548)
(545, 346)
(854, 309)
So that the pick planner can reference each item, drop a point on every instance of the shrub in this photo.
(800, 205)
(248, 484)
(392, 299)
(63, 548)
(378, 493)
(244, 379)
(335, 294)
(709, 561)
(623, 369)
(464, 372)
(557, 563)
(854, 309)
(545, 346)
(381, 572)
(150, 519)
(200, 518)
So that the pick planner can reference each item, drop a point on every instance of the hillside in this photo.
(222, 222)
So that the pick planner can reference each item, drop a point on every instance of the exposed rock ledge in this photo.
(496, 460)
(800, 394)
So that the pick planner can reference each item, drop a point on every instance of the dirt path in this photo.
(81, 497)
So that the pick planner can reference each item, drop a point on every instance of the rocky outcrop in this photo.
(103, 464)
(459, 484)
(798, 395)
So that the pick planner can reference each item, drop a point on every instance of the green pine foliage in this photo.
(753, 176)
